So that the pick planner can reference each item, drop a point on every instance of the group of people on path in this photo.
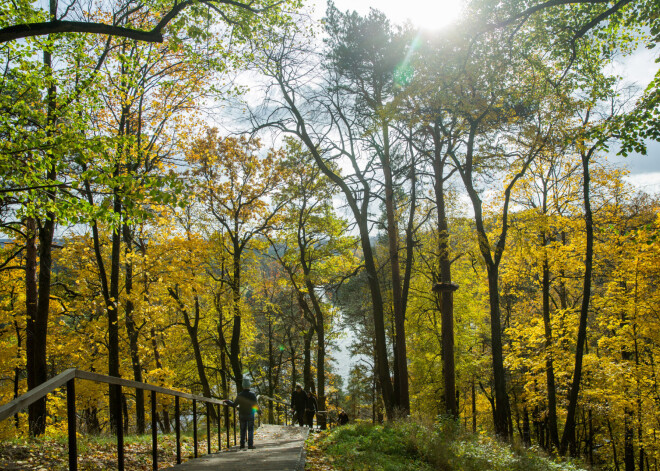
(304, 406)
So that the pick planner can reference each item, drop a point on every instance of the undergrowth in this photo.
(410, 445)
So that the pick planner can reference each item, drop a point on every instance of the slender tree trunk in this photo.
(527, 434)
(549, 363)
(113, 318)
(235, 343)
(446, 297)
(132, 331)
(17, 370)
(360, 212)
(402, 399)
(271, 367)
(320, 347)
(568, 437)
(192, 327)
(308, 382)
(222, 344)
(474, 408)
(501, 397)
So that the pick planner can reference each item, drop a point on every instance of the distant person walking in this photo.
(246, 402)
(298, 403)
(311, 407)
(343, 417)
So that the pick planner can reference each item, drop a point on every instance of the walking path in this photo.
(279, 448)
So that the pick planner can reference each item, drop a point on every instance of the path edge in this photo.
(302, 457)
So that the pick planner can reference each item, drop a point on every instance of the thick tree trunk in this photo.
(37, 335)
(36, 411)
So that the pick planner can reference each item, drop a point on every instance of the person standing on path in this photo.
(311, 407)
(246, 402)
(298, 404)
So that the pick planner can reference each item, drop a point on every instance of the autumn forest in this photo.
(198, 192)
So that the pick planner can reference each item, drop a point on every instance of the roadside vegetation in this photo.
(417, 446)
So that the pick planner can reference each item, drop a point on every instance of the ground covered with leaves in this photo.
(413, 446)
(97, 453)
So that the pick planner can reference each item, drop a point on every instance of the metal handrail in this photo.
(68, 378)
(276, 401)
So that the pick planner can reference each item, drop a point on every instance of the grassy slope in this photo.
(411, 446)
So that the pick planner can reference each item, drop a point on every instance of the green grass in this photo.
(413, 446)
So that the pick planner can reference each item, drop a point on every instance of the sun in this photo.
(425, 14)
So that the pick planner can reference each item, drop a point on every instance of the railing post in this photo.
(195, 425)
(227, 423)
(71, 417)
(154, 432)
(120, 429)
(219, 431)
(177, 428)
(208, 428)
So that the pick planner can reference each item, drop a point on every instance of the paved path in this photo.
(279, 448)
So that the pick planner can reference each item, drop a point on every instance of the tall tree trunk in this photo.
(501, 397)
(320, 348)
(165, 424)
(360, 212)
(447, 297)
(36, 411)
(132, 331)
(568, 437)
(192, 327)
(271, 367)
(308, 382)
(113, 318)
(402, 399)
(235, 343)
(38, 373)
(549, 363)
(222, 344)
(17, 369)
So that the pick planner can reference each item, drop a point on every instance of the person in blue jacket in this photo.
(246, 402)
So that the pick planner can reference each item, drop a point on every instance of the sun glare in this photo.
(425, 14)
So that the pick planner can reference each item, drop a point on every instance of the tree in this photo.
(313, 250)
(27, 21)
(235, 184)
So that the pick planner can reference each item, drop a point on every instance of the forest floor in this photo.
(98, 453)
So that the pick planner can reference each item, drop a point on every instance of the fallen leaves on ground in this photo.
(316, 459)
(93, 455)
